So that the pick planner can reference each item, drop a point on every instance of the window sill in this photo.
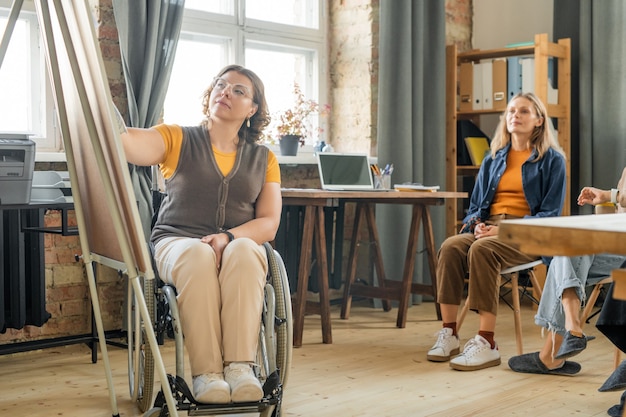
(305, 157)
(50, 157)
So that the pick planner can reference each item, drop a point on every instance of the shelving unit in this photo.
(542, 50)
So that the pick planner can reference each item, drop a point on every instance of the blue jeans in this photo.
(575, 272)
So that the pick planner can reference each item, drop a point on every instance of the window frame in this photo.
(46, 135)
(237, 27)
(274, 36)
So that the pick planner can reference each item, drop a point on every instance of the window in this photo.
(283, 41)
(26, 101)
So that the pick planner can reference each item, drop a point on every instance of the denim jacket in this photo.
(543, 182)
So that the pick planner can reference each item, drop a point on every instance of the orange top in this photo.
(509, 197)
(173, 138)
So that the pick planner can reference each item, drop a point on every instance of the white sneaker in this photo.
(446, 346)
(211, 389)
(244, 385)
(477, 354)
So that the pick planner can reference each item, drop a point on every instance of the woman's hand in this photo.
(484, 230)
(593, 196)
(218, 242)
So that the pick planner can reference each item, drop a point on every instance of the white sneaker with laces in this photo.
(477, 354)
(211, 389)
(244, 385)
(445, 347)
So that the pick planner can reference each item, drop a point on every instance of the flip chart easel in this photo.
(106, 210)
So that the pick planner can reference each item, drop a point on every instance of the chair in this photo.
(510, 277)
(585, 315)
(273, 357)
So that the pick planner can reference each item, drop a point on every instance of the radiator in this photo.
(22, 269)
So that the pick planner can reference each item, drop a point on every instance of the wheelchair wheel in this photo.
(275, 344)
(284, 331)
(140, 359)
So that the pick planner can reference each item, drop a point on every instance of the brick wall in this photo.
(353, 40)
(459, 23)
(353, 62)
(353, 48)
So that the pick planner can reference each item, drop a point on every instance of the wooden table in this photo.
(314, 201)
(571, 236)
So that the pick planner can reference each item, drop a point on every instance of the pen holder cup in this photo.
(382, 181)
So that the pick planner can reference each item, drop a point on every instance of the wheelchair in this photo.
(273, 355)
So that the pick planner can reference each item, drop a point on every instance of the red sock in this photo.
(489, 337)
(451, 326)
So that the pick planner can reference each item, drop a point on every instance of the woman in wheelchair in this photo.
(222, 203)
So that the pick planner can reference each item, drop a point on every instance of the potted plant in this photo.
(293, 125)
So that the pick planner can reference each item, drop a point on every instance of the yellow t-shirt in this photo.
(173, 139)
(509, 197)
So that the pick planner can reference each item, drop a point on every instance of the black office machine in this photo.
(17, 163)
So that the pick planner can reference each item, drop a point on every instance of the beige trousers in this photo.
(220, 309)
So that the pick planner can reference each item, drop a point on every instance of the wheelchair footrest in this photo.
(272, 390)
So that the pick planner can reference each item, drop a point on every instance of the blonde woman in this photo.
(524, 176)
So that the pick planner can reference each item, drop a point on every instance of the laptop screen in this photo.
(344, 171)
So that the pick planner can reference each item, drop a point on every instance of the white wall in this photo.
(497, 23)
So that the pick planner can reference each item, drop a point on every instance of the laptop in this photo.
(345, 172)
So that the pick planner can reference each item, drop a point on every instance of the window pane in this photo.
(303, 13)
(279, 70)
(213, 6)
(15, 104)
(198, 60)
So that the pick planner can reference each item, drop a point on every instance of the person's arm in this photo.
(472, 218)
(553, 187)
(143, 147)
(264, 226)
(593, 196)
(621, 196)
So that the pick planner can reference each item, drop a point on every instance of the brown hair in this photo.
(259, 120)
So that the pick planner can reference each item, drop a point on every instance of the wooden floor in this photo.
(371, 369)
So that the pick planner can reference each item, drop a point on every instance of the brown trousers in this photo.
(481, 260)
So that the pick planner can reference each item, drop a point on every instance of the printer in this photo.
(17, 163)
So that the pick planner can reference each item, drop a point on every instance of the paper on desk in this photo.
(415, 187)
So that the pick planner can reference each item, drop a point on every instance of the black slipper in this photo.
(617, 380)
(572, 345)
(618, 409)
(530, 363)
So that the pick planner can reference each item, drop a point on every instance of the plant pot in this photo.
(289, 145)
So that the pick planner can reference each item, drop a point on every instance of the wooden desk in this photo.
(314, 201)
(313, 235)
(571, 236)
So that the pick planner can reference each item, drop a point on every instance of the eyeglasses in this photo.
(238, 90)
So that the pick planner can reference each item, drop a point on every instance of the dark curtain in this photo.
(148, 35)
(411, 117)
(597, 30)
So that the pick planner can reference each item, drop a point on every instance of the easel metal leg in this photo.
(101, 336)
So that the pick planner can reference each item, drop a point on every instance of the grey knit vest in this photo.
(200, 200)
